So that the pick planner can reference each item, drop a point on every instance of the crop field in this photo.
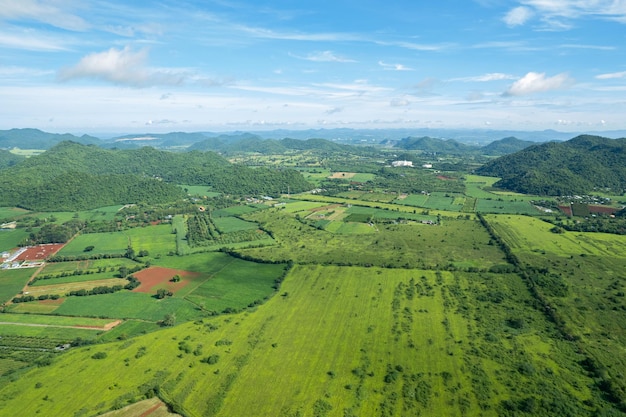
(298, 206)
(154, 278)
(379, 214)
(337, 341)
(504, 206)
(60, 287)
(384, 197)
(53, 321)
(157, 240)
(236, 286)
(12, 281)
(417, 200)
(104, 243)
(238, 210)
(233, 224)
(10, 238)
(92, 265)
(74, 278)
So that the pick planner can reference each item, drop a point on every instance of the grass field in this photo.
(11, 212)
(12, 281)
(415, 245)
(10, 238)
(233, 224)
(337, 341)
(103, 243)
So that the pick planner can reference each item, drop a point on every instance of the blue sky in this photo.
(152, 66)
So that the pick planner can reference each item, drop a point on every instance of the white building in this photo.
(402, 163)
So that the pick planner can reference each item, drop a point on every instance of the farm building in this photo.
(402, 163)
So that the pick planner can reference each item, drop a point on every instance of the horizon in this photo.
(107, 66)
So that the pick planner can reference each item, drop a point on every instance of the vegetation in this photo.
(388, 291)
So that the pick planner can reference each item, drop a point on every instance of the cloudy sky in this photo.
(118, 66)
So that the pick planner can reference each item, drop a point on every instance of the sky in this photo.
(84, 66)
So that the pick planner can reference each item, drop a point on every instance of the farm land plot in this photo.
(585, 283)
(157, 240)
(410, 245)
(384, 197)
(93, 277)
(109, 243)
(505, 206)
(343, 338)
(155, 278)
(112, 265)
(12, 281)
(11, 212)
(298, 206)
(11, 238)
(238, 210)
(233, 224)
(417, 200)
(62, 288)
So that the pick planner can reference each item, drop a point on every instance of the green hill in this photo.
(506, 146)
(37, 139)
(72, 176)
(578, 166)
(428, 144)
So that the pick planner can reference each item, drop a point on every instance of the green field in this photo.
(11, 238)
(12, 281)
(11, 212)
(233, 224)
(350, 341)
(111, 243)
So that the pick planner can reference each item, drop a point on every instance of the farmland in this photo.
(385, 292)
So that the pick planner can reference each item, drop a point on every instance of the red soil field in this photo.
(603, 209)
(156, 277)
(567, 210)
(39, 252)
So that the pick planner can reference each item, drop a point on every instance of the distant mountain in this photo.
(580, 165)
(72, 176)
(248, 142)
(37, 139)
(506, 146)
(434, 145)
(173, 140)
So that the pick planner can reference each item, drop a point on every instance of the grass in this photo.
(233, 224)
(11, 212)
(351, 341)
(110, 243)
(11, 238)
(392, 245)
(157, 240)
(12, 281)
(53, 321)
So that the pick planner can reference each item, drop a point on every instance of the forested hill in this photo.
(578, 166)
(253, 143)
(37, 139)
(71, 176)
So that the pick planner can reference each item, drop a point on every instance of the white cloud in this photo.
(535, 82)
(493, 76)
(325, 56)
(553, 10)
(399, 102)
(121, 66)
(611, 76)
(394, 67)
(31, 41)
(518, 16)
(42, 11)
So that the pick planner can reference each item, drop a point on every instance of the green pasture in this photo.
(363, 177)
(33, 307)
(354, 195)
(157, 240)
(199, 190)
(96, 276)
(383, 197)
(396, 205)
(109, 243)
(11, 238)
(27, 152)
(233, 224)
(53, 321)
(504, 206)
(11, 212)
(236, 286)
(128, 305)
(336, 341)
(351, 228)
(238, 210)
(529, 234)
(400, 245)
(87, 265)
(12, 281)
(48, 332)
(418, 200)
(298, 206)
(378, 214)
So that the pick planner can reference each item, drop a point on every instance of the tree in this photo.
(162, 293)
(169, 320)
